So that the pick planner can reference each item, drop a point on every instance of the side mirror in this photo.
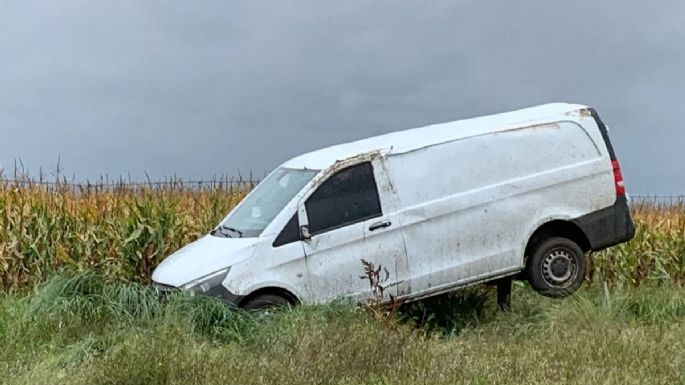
(304, 233)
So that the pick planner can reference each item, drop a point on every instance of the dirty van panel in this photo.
(499, 182)
(340, 214)
(386, 232)
(488, 160)
(281, 267)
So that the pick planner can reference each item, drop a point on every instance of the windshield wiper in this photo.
(221, 231)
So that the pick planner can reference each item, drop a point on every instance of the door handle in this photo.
(380, 225)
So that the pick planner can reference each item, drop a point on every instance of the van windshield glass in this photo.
(264, 203)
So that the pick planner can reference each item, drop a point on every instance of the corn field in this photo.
(656, 254)
(124, 231)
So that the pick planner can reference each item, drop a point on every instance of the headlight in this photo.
(206, 283)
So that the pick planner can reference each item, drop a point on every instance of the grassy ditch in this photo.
(84, 330)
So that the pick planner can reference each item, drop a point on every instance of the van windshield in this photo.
(262, 205)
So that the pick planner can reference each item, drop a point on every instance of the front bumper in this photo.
(218, 291)
(164, 291)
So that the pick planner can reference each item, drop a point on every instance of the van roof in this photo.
(416, 138)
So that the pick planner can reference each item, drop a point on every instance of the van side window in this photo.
(347, 197)
(290, 233)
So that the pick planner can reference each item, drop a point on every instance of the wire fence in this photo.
(660, 199)
(232, 183)
(103, 185)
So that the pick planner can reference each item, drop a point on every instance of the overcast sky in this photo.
(199, 88)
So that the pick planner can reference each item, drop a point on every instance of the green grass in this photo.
(83, 330)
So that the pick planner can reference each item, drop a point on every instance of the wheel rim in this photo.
(559, 268)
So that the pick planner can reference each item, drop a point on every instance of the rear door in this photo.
(351, 217)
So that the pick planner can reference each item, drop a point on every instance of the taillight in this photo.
(618, 178)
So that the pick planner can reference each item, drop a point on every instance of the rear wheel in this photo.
(264, 302)
(556, 267)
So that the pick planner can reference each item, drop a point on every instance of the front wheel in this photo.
(556, 267)
(266, 302)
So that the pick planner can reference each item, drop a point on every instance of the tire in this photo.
(556, 267)
(266, 302)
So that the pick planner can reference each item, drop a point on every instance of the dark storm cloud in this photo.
(204, 88)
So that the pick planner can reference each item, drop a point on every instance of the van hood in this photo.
(202, 257)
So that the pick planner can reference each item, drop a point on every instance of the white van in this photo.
(527, 193)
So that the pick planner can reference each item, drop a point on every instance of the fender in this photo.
(535, 227)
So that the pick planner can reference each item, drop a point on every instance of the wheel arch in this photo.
(557, 228)
(273, 290)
